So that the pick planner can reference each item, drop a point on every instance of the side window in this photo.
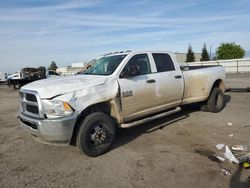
(137, 65)
(163, 62)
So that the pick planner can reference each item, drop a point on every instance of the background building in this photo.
(74, 68)
(70, 70)
(181, 57)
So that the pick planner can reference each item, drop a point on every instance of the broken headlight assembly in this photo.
(56, 109)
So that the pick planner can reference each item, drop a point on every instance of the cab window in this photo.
(163, 62)
(137, 65)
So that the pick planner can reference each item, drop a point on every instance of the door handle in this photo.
(150, 81)
(178, 76)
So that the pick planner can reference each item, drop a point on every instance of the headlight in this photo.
(54, 109)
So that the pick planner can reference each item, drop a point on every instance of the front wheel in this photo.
(216, 101)
(96, 134)
(17, 85)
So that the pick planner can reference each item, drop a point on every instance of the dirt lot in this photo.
(171, 152)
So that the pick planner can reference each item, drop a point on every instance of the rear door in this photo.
(169, 81)
(138, 89)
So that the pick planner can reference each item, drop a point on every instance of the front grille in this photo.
(32, 109)
(31, 97)
(29, 103)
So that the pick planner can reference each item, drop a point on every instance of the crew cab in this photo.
(122, 89)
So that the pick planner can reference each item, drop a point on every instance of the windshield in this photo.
(105, 65)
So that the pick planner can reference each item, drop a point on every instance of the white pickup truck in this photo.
(120, 90)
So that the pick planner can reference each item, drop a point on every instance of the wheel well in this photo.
(220, 84)
(104, 107)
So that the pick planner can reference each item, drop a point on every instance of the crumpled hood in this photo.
(48, 88)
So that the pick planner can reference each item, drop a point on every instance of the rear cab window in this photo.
(163, 62)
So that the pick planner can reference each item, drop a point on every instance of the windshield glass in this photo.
(105, 65)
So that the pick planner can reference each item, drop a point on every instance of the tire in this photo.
(96, 134)
(17, 85)
(216, 102)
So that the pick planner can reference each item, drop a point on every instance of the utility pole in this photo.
(210, 57)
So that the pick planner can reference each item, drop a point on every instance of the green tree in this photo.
(204, 53)
(190, 54)
(53, 66)
(230, 51)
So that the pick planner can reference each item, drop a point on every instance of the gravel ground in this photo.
(171, 152)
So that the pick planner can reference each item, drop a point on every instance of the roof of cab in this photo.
(135, 51)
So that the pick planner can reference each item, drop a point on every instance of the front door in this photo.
(137, 87)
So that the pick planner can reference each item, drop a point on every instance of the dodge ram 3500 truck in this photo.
(120, 90)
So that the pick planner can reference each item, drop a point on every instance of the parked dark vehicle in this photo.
(28, 75)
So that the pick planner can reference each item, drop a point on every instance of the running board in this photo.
(151, 118)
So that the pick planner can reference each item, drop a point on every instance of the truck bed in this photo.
(198, 82)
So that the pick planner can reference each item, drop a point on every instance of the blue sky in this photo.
(36, 32)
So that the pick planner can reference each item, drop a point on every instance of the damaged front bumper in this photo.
(50, 130)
